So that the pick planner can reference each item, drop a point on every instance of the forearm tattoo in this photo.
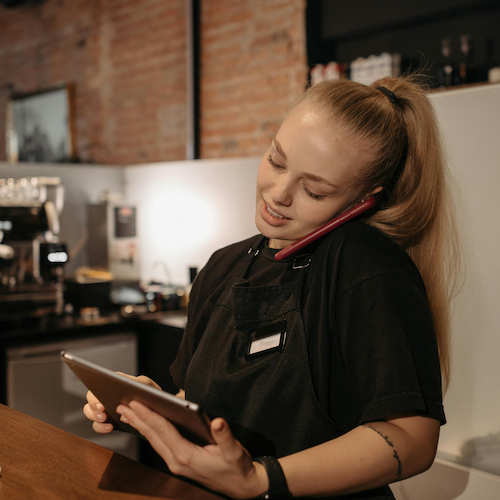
(395, 453)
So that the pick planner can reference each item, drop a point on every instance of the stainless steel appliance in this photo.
(113, 243)
(31, 257)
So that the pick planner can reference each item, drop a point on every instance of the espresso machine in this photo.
(31, 257)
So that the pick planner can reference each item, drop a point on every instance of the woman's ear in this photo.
(372, 193)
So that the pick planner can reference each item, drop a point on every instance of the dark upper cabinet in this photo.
(340, 30)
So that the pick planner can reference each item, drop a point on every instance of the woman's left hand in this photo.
(225, 466)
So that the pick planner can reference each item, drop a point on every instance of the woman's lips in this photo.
(269, 218)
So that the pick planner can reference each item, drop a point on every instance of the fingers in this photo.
(98, 419)
(102, 428)
(142, 379)
(225, 466)
(156, 429)
(94, 403)
(94, 411)
(229, 446)
(146, 420)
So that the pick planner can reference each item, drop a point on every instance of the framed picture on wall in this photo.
(40, 126)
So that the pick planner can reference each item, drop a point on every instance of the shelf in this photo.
(360, 28)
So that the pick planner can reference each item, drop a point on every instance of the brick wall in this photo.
(253, 66)
(127, 61)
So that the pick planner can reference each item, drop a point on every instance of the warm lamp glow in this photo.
(177, 221)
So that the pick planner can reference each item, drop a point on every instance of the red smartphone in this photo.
(326, 228)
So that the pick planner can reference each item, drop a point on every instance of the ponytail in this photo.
(419, 212)
(394, 123)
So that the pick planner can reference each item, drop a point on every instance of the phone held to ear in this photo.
(326, 228)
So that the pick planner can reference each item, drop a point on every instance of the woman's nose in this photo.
(281, 192)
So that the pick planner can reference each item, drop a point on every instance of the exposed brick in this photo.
(126, 59)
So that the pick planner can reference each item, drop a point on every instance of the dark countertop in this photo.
(30, 328)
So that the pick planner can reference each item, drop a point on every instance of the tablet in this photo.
(112, 389)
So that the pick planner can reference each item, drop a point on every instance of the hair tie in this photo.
(392, 97)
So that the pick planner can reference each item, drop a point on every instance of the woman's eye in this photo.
(318, 197)
(273, 163)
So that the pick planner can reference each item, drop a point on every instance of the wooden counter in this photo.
(39, 461)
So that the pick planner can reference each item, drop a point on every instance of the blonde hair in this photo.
(402, 145)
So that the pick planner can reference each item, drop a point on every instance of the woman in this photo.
(346, 388)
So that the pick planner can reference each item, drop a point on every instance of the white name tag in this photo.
(266, 339)
(265, 344)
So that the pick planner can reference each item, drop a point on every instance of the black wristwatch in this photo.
(277, 482)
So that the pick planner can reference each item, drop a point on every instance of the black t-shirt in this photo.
(371, 341)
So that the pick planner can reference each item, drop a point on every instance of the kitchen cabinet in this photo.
(342, 31)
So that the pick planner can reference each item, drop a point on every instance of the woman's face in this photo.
(306, 178)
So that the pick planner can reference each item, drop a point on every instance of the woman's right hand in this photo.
(94, 410)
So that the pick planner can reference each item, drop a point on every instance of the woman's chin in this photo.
(272, 234)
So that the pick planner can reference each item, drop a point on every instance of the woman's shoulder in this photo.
(235, 251)
(359, 236)
(228, 259)
(222, 266)
(359, 251)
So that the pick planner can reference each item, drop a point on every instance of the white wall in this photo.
(447, 481)
(189, 209)
(470, 120)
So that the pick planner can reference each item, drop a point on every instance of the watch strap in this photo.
(277, 481)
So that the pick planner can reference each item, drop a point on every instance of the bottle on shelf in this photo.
(317, 74)
(332, 71)
(467, 70)
(447, 71)
(490, 69)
